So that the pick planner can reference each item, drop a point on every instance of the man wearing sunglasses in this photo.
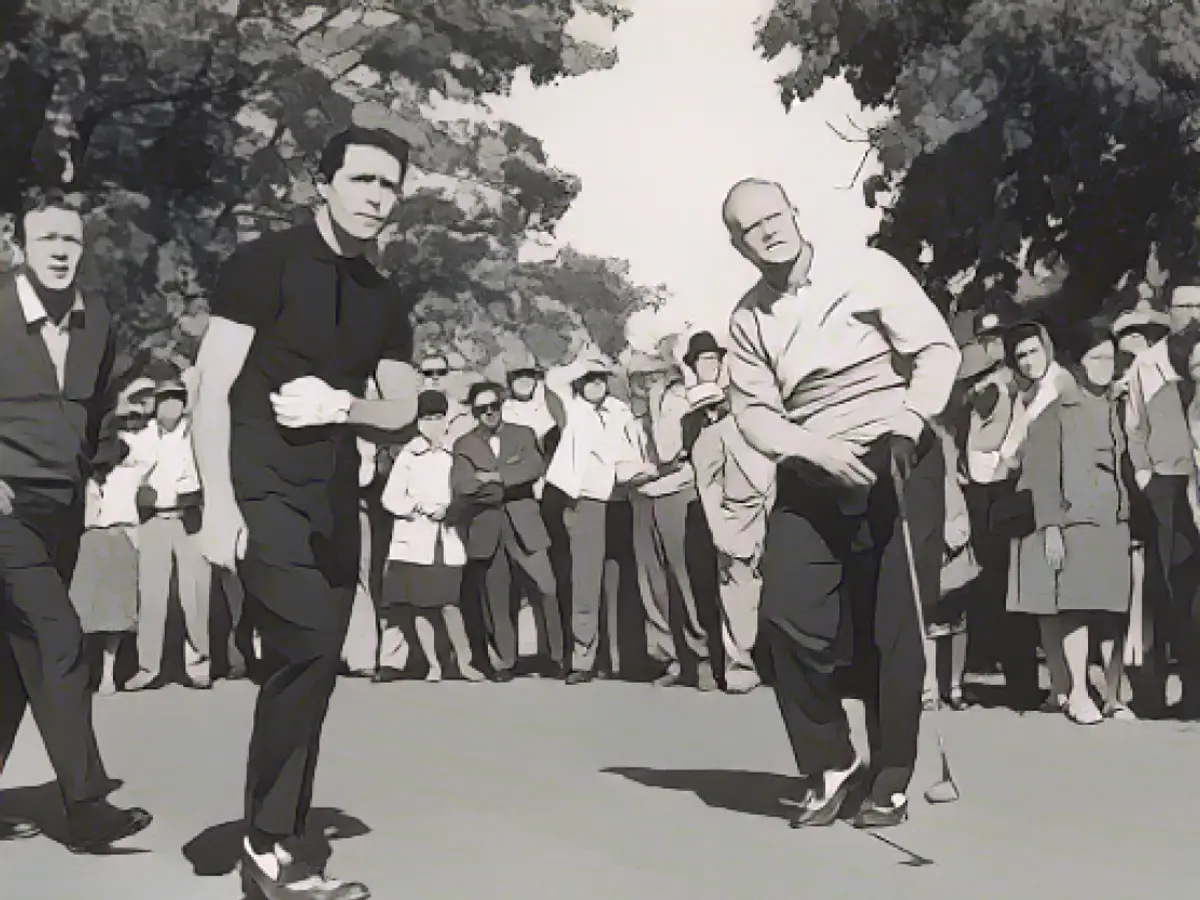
(496, 466)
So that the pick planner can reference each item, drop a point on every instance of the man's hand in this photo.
(6, 499)
(840, 460)
(309, 401)
(724, 567)
(957, 532)
(223, 535)
(1056, 550)
(1142, 479)
(904, 455)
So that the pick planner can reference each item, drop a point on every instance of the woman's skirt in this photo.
(421, 586)
(104, 589)
(1096, 575)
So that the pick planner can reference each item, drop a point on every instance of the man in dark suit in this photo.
(496, 466)
(56, 393)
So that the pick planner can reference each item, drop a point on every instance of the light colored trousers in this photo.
(660, 549)
(595, 584)
(165, 548)
(741, 590)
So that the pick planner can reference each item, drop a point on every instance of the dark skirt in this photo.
(421, 586)
(104, 589)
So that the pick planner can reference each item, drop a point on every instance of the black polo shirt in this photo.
(48, 434)
(314, 313)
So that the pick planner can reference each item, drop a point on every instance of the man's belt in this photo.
(519, 492)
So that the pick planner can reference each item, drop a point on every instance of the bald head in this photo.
(761, 225)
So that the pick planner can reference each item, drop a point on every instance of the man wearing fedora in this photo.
(661, 518)
(1160, 452)
(989, 480)
(596, 454)
(170, 501)
(737, 488)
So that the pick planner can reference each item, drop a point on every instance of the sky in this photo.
(690, 109)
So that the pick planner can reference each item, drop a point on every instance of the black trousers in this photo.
(1171, 588)
(495, 579)
(1009, 639)
(837, 591)
(42, 660)
(299, 574)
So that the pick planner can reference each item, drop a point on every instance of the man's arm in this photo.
(708, 459)
(104, 443)
(530, 465)
(398, 387)
(754, 394)
(916, 330)
(465, 483)
(222, 355)
(666, 423)
(1137, 426)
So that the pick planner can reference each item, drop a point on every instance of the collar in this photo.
(319, 249)
(419, 445)
(35, 310)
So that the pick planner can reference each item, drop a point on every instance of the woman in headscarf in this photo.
(1072, 570)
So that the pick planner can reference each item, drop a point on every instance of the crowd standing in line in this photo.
(358, 516)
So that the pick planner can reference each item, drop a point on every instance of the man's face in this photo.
(432, 427)
(53, 247)
(708, 368)
(487, 408)
(434, 370)
(1031, 358)
(169, 412)
(364, 191)
(523, 387)
(595, 389)
(763, 227)
(1185, 307)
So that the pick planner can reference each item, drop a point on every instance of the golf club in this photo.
(944, 790)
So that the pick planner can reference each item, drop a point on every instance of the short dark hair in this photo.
(483, 387)
(1180, 347)
(40, 200)
(333, 157)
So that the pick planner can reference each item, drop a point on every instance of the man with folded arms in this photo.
(837, 363)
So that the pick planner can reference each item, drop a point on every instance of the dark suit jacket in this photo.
(482, 509)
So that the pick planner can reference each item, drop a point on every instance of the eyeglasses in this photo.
(435, 373)
(484, 409)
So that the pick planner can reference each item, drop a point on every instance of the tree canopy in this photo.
(1051, 134)
(192, 124)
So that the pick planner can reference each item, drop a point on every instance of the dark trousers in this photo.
(1171, 586)
(1002, 637)
(836, 590)
(300, 585)
(42, 660)
(496, 577)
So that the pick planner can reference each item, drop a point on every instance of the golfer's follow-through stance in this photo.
(838, 361)
(300, 321)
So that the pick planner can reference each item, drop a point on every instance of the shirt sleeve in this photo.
(398, 342)
(708, 459)
(754, 396)
(916, 330)
(247, 290)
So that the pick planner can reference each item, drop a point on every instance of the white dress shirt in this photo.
(173, 472)
(57, 335)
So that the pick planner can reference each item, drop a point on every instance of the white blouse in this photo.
(419, 484)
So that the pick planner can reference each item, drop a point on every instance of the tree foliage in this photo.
(192, 124)
(1051, 134)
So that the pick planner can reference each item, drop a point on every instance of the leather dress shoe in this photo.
(877, 815)
(96, 826)
(579, 676)
(503, 676)
(296, 881)
(18, 829)
(820, 813)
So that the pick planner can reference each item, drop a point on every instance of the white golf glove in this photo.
(309, 401)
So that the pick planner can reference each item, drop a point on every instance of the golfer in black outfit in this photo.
(300, 321)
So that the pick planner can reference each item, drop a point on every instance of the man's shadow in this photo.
(42, 805)
(750, 793)
(215, 852)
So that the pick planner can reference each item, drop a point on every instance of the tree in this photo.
(192, 124)
(1025, 135)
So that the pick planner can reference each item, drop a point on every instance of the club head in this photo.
(944, 791)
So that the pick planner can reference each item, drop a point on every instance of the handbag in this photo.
(1012, 517)
(959, 568)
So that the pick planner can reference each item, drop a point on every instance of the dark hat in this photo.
(700, 343)
(172, 389)
(975, 362)
(528, 371)
(432, 403)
